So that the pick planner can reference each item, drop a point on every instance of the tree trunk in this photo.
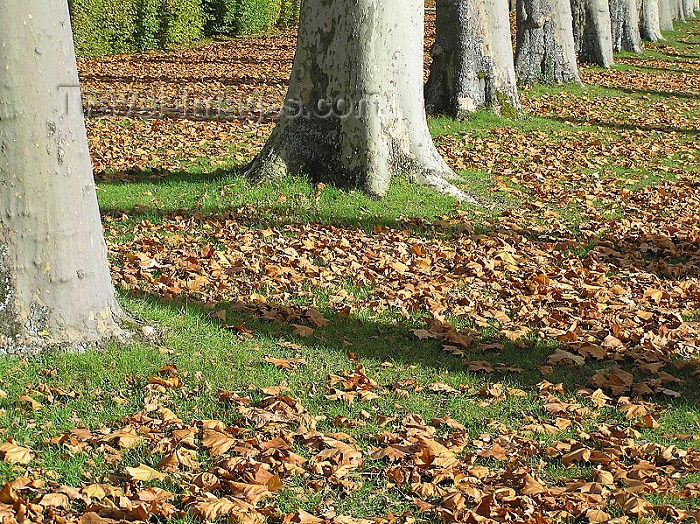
(665, 18)
(472, 60)
(354, 113)
(649, 21)
(545, 50)
(55, 287)
(677, 10)
(689, 8)
(592, 31)
(625, 26)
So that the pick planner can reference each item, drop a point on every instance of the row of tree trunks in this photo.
(472, 60)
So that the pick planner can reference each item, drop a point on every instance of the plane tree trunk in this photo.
(689, 8)
(592, 31)
(472, 60)
(678, 10)
(625, 26)
(665, 16)
(354, 113)
(649, 20)
(55, 287)
(545, 51)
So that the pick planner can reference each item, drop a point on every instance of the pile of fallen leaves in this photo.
(213, 470)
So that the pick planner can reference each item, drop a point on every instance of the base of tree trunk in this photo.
(545, 52)
(625, 26)
(354, 114)
(472, 63)
(592, 32)
(665, 15)
(650, 20)
(55, 285)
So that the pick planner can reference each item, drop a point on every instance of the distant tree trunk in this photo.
(625, 26)
(55, 287)
(665, 18)
(678, 10)
(592, 31)
(649, 20)
(472, 60)
(545, 50)
(354, 112)
(689, 8)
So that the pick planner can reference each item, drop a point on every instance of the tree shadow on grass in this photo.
(632, 126)
(379, 342)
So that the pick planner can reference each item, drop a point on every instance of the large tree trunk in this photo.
(592, 31)
(472, 60)
(649, 20)
(55, 287)
(545, 50)
(665, 17)
(354, 114)
(625, 26)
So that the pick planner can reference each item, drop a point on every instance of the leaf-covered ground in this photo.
(323, 357)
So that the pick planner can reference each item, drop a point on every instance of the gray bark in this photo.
(689, 8)
(55, 286)
(365, 60)
(677, 10)
(545, 50)
(625, 26)
(472, 60)
(665, 18)
(649, 20)
(592, 31)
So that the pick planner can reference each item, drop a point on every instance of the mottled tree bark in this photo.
(592, 31)
(472, 60)
(665, 17)
(625, 26)
(677, 10)
(545, 50)
(354, 112)
(55, 287)
(689, 8)
(649, 20)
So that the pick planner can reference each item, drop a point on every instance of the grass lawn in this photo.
(319, 354)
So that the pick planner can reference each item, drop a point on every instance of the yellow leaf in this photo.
(145, 473)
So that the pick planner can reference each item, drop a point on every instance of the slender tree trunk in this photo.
(592, 31)
(649, 20)
(354, 113)
(625, 26)
(545, 50)
(665, 18)
(55, 287)
(472, 60)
